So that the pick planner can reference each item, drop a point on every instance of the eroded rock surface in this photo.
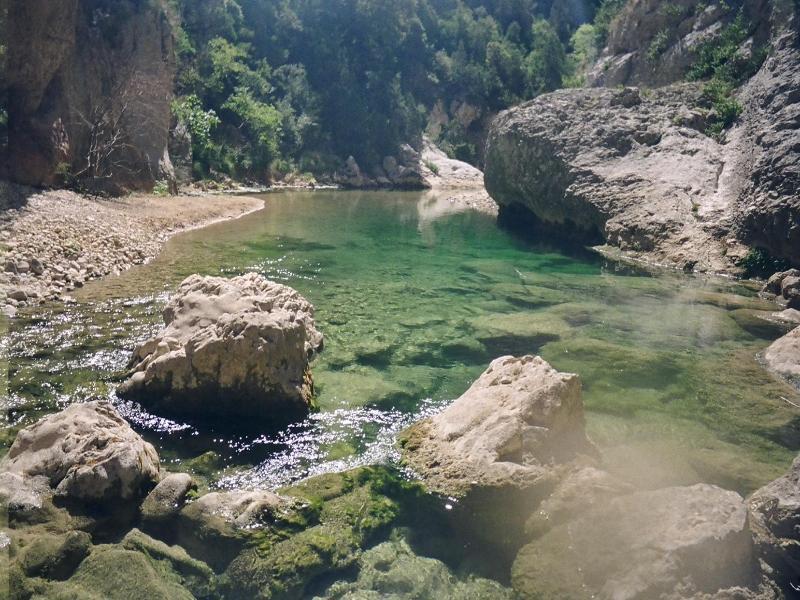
(87, 452)
(774, 519)
(783, 356)
(235, 347)
(86, 78)
(634, 170)
(516, 421)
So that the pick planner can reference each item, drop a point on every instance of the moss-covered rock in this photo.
(55, 556)
(345, 512)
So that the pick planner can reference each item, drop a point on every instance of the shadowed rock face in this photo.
(231, 347)
(78, 63)
(509, 429)
(669, 543)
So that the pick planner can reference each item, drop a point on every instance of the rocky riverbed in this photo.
(55, 241)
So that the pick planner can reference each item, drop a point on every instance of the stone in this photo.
(391, 570)
(774, 520)
(509, 428)
(86, 452)
(167, 498)
(683, 541)
(783, 355)
(238, 348)
(18, 295)
(53, 71)
(774, 284)
(217, 526)
(10, 266)
(55, 556)
(582, 490)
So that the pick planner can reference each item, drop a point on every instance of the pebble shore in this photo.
(53, 242)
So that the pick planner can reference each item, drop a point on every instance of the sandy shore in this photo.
(55, 241)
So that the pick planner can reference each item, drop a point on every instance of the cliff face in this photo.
(90, 84)
(651, 42)
(638, 168)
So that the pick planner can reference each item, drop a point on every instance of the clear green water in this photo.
(415, 299)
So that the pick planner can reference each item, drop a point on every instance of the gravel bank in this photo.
(53, 242)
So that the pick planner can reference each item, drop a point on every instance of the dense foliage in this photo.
(269, 86)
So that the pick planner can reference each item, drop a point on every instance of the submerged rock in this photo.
(669, 543)
(519, 419)
(86, 452)
(231, 347)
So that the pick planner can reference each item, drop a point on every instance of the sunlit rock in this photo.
(510, 428)
(231, 347)
(783, 356)
(86, 452)
(670, 543)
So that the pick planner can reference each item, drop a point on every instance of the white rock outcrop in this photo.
(231, 347)
(86, 452)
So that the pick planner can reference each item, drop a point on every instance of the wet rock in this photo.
(86, 452)
(774, 520)
(783, 355)
(343, 513)
(519, 419)
(113, 572)
(167, 498)
(391, 570)
(669, 543)
(231, 347)
(774, 284)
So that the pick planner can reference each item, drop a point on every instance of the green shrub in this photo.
(434, 168)
(760, 263)
(658, 45)
(725, 109)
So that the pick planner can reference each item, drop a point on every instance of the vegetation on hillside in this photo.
(269, 86)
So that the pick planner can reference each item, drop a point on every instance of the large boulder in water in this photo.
(690, 542)
(783, 356)
(86, 452)
(519, 419)
(231, 347)
(502, 447)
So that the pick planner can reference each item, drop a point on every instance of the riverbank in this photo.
(55, 241)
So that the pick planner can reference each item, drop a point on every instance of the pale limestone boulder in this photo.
(86, 452)
(511, 428)
(687, 542)
(231, 347)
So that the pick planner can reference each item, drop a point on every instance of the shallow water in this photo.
(415, 299)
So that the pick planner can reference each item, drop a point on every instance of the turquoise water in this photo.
(415, 298)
